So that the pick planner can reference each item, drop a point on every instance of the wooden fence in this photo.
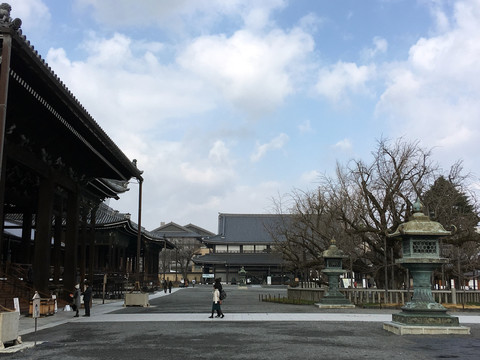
(380, 296)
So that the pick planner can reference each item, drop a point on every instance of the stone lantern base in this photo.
(334, 300)
(425, 318)
(401, 329)
(335, 306)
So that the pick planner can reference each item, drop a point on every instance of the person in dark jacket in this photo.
(87, 298)
(219, 284)
(76, 300)
(170, 287)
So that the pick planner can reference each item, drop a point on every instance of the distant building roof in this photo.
(173, 230)
(245, 228)
(108, 218)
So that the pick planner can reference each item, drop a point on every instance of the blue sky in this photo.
(228, 104)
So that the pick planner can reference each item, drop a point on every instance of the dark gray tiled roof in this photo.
(173, 230)
(245, 228)
(199, 230)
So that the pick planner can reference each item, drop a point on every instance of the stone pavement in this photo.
(176, 326)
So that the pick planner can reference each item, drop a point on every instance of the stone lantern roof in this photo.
(420, 224)
(333, 251)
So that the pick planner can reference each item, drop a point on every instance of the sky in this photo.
(229, 104)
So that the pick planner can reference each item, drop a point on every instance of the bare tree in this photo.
(305, 231)
(362, 203)
(372, 199)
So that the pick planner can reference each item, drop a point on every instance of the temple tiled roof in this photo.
(173, 230)
(245, 229)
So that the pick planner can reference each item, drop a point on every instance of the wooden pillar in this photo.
(110, 259)
(83, 243)
(70, 277)
(43, 235)
(156, 261)
(91, 247)
(146, 254)
(57, 242)
(27, 237)
(118, 259)
(6, 47)
(3, 170)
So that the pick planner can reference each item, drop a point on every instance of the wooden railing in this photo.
(380, 296)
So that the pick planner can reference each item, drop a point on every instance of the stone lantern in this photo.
(421, 256)
(242, 277)
(333, 298)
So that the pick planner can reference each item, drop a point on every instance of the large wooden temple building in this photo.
(57, 168)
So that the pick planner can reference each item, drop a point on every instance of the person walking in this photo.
(87, 297)
(216, 302)
(219, 284)
(76, 300)
(170, 287)
(165, 285)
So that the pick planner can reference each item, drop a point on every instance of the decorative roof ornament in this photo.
(420, 224)
(6, 20)
(417, 206)
(333, 251)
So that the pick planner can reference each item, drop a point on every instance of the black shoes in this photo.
(221, 316)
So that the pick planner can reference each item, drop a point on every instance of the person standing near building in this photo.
(76, 300)
(216, 302)
(170, 287)
(87, 298)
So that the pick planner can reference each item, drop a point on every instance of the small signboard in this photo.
(36, 305)
(16, 304)
(208, 276)
(54, 298)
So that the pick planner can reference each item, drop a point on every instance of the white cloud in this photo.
(380, 47)
(338, 81)
(219, 153)
(180, 15)
(433, 96)
(131, 92)
(343, 145)
(310, 177)
(34, 14)
(275, 144)
(255, 73)
(137, 98)
(305, 127)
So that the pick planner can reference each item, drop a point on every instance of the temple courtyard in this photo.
(176, 326)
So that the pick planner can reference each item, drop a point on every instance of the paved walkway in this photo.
(111, 312)
(176, 326)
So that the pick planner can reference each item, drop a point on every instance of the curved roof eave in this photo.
(109, 154)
